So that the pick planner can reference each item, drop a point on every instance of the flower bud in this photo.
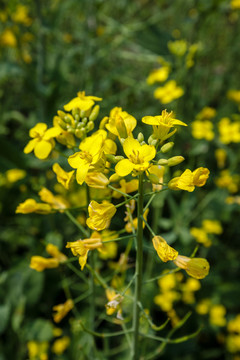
(163, 162)
(175, 160)
(90, 126)
(75, 112)
(67, 119)
(166, 147)
(77, 118)
(153, 178)
(80, 125)
(79, 133)
(114, 178)
(84, 120)
(103, 122)
(195, 267)
(94, 113)
(121, 127)
(61, 114)
(70, 129)
(140, 137)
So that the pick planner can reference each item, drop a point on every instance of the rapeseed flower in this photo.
(158, 75)
(100, 215)
(61, 310)
(164, 251)
(42, 143)
(40, 263)
(169, 92)
(162, 124)
(198, 268)
(60, 345)
(63, 177)
(31, 206)
(138, 157)
(202, 130)
(188, 180)
(81, 102)
(120, 123)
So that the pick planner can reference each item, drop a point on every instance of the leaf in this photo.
(4, 316)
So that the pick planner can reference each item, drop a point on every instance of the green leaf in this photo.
(4, 316)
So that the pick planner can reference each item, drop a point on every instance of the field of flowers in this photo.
(119, 182)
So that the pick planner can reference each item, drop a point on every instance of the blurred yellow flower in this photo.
(178, 47)
(60, 345)
(221, 156)
(8, 38)
(42, 143)
(31, 206)
(206, 113)
(202, 129)
(217, 315)
(212, 226)
(56, 202)
(138, 157)
(227, 181)
(14, 175)
(61, 310)
(169, 92)
(158, 75)
(38, 350)
(40, 263)
(229, 131)
(63, 177)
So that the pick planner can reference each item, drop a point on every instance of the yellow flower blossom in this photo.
(31, 206)
(61, 310)
(108, 249)
(38, 350)
(188, 180)
(206, 113)
(221, 156)
(234, 325)
(134, 223)
(233, 341)
(63, 177)
(227, 181)
(202, 130)
(234, 95)
(60, 345)
(55, 253)
(212, 226)
(203, 306)
(126, 187)
(138, 157)
(56, 202)
(178, 47)
(21, 16)
(158, 75)
(42, 143)
(8, 38)
(114, 301)
(14, 175)
(120, 123)
(91, 152)
(100, 215)
(81, 102)
(96, 180)
(169, 92)
(201, 236)
(162, 124)
(164, 251)
(40, 263)
(217, 315)
(229, 131)
(61, 121)
(198, 268)
(81, 248)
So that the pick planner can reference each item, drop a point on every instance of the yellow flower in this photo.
(221, 156)
(14, 175)
(63, 177)
(229, 131)
(55, 253)
(21, 15)
(42, 143)
(217, 315)
(234, 95)
(158, 172)
(96, 180)
(56, 202)
(212, 226)
(31, 206)
(164, 251)
(200, 236)
(162, 124)
(203, 306)
(234, 325)
(40, 263)
(126, 187)
(195, 267)
(38, 350)
(61, 310)
(65, 121)
(8, 38)
(120, 123)
(228, 181)
(81, 102)
(81, 247)
(206, 113)
(60, 345)
(100, 215)
(178, 47)
(138, 157)
(188, 180)
(92, 149)
(134, 223)
(114, 301)
(158, 75)
(169, 92)
(202, 130)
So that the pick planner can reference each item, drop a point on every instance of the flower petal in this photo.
(124, 167)
(42, 149)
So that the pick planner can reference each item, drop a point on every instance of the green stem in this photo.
(138, 272)
(119, 191)
(80, 227)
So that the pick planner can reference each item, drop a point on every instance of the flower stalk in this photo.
(138, 272)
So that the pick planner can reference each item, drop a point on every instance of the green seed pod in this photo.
(94, 113)
(175, 160)
(166, 147)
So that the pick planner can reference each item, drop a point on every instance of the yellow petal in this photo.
(147, 152)
(82, 173)
(165, 252)
(150, 120)
(75, 161)
(30, 146)
(124, 167)
(38, 130)
(52, 132)
(129, 145)
(42, 149)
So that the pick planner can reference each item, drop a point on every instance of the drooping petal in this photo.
(42, 149)
(124, 167)
(82, 173)
(30, 146)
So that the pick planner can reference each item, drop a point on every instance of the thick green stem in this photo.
(138, 272)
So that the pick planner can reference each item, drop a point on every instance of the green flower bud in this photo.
(79, 133)
(77, 117)
(153, 178)
(166, 147)
(175, 160)
(90, 126)
(75, 111)
(163, 162)
(140, 137)
(84, 120)
(94, 113)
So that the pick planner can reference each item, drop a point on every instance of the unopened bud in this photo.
(163, 162)
(103, 122)
(90, 126)
(114, 178)
(84, 120)
(60, 122)
(166, 147)
(153, 178)
(77, 117)
(67, 119)
(79, 133)
(70, 129)
(113, 159)
(140, 137)
(122, 140)
(80, 125)
(175, 160)
(94, 113)
(75, 111)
